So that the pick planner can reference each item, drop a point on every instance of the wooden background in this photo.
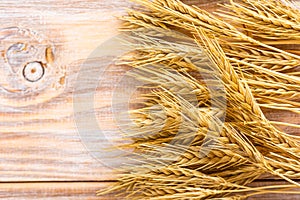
(41, 153)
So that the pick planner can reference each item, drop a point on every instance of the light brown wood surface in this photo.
(85, 190)
(53, 190)
(42, 155)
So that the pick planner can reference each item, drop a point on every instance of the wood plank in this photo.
(53, 190)
(39, 138)
(87, 190)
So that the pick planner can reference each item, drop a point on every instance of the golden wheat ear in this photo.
(265, 68)
(272, 21)
(255, 74)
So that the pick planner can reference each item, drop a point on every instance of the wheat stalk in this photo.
(269, 20)
(259, 65)
(254, 74)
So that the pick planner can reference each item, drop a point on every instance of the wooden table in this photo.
(42, 155)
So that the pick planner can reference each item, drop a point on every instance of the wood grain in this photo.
(39, 137)
(87, 190)
(55, 190)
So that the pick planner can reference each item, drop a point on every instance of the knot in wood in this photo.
(33, 71)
